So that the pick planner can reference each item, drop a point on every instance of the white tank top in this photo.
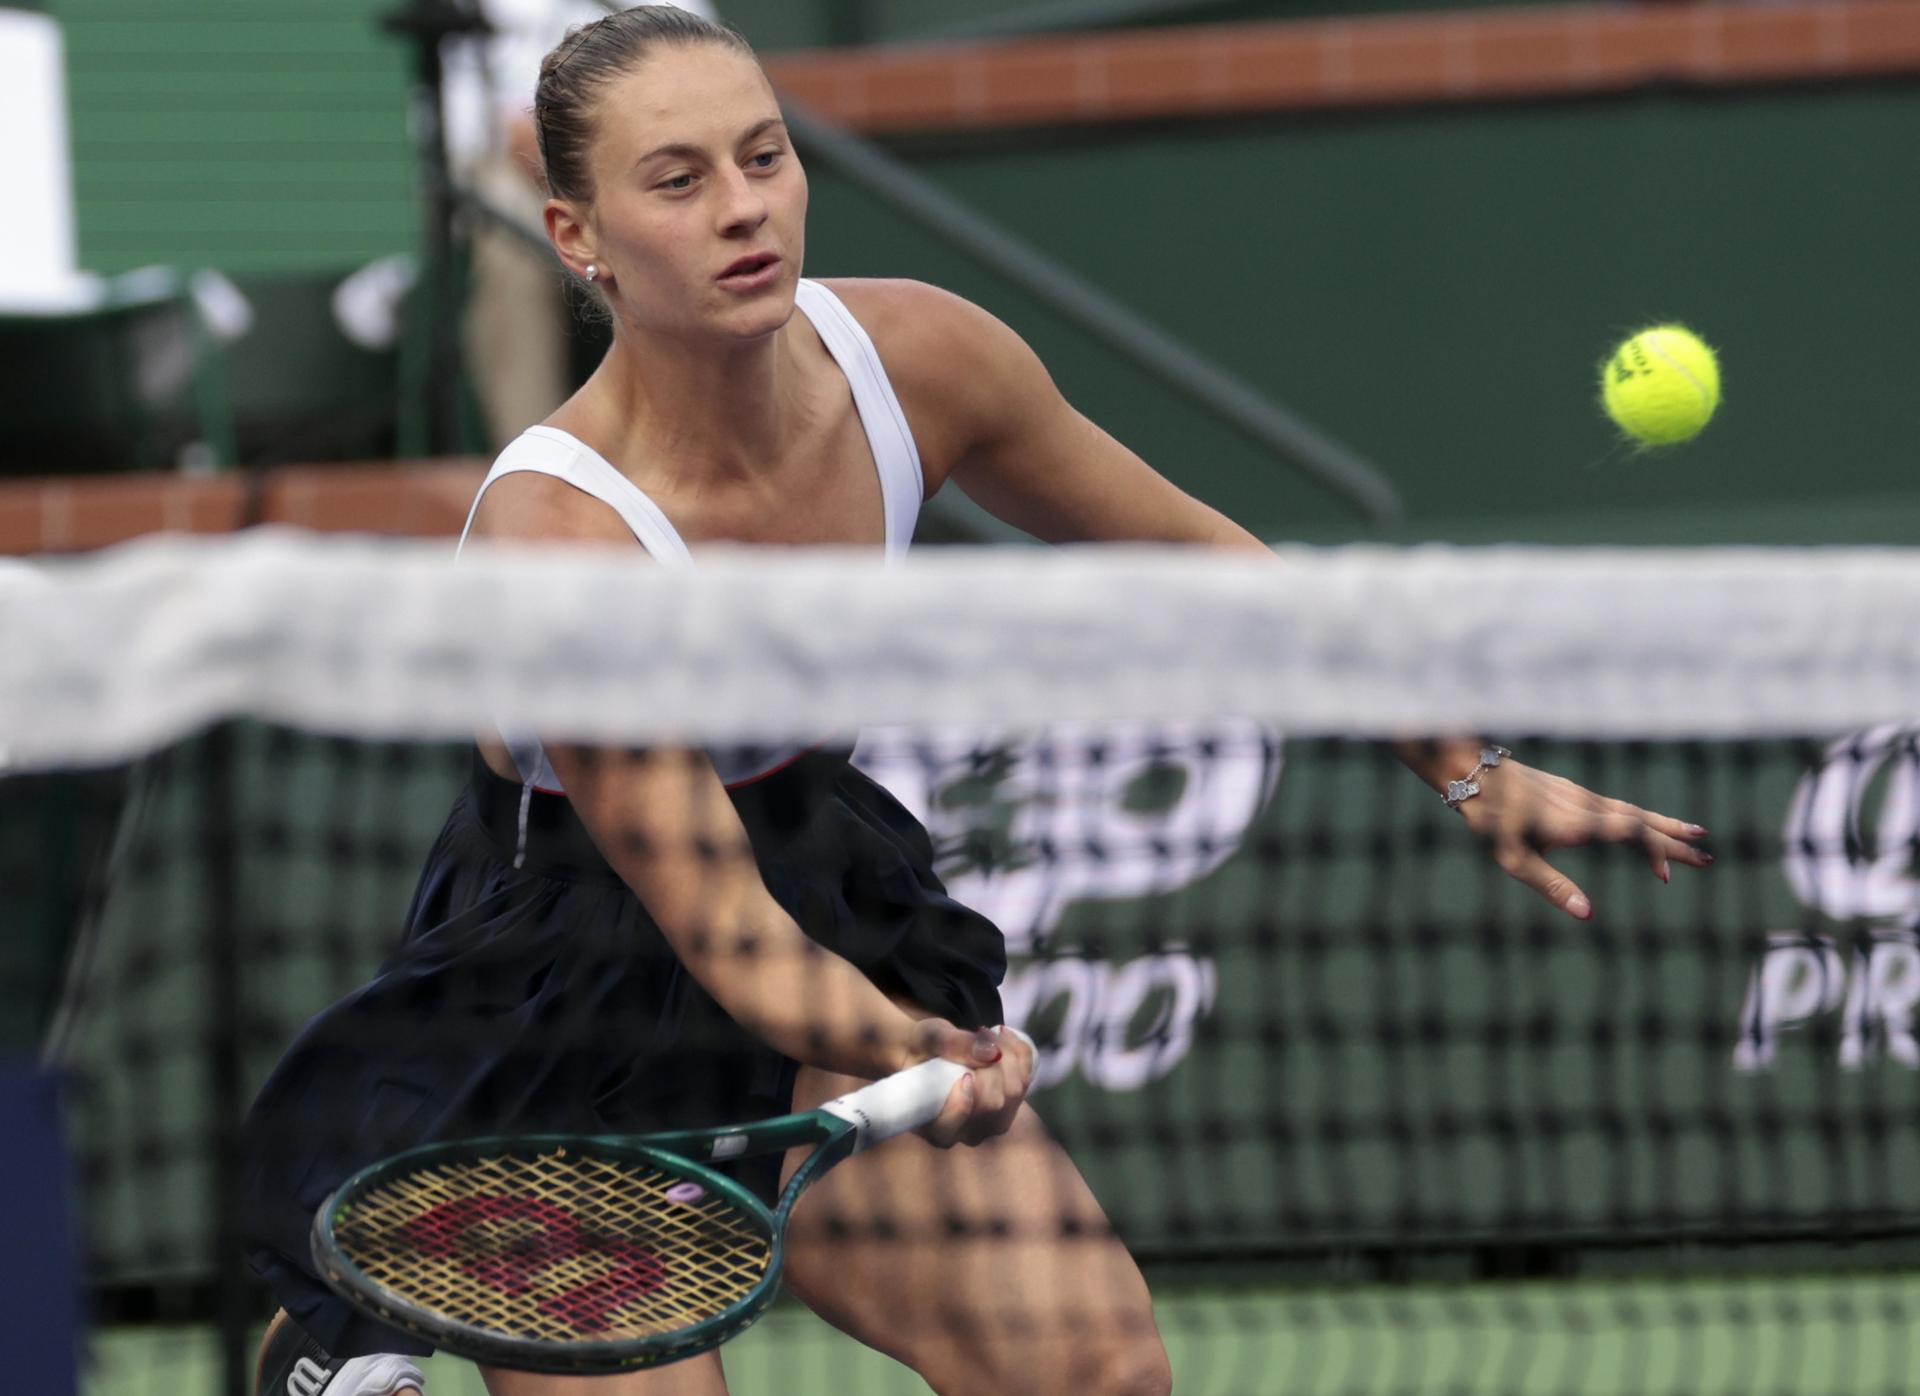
(550, 451)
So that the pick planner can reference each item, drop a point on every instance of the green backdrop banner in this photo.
(1439, 288)
(1285, 1003)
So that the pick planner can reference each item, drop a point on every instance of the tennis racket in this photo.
(583, 1254)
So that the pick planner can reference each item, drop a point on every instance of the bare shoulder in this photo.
(958, 369)
(907, 310)
(921, 329)
(528, 507)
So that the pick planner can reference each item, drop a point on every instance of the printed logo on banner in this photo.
(1024, 827)
(1852, 853)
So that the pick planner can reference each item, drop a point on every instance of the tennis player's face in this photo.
(700, 203)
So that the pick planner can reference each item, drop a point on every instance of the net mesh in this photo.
(1372, 1116)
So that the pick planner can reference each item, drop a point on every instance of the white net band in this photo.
(125, 651)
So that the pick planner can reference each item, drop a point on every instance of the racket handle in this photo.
(903, 1101)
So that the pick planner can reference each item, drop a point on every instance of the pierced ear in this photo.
(568, 237)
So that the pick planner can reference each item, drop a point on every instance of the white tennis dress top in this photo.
(550, 451)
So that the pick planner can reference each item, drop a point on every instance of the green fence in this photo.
(1287, 1007)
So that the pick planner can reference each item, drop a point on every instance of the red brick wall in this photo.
(1378, 60)
(67, 515)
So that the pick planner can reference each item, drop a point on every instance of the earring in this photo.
(593, 272)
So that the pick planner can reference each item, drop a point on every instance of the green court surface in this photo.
(1844, 1335)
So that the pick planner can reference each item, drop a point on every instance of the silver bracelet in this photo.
(1460, 791)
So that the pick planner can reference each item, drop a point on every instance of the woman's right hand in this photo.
(982, 1103)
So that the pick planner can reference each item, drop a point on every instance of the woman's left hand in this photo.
(1524, 814)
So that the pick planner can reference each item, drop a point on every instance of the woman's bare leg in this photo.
(989, 1270)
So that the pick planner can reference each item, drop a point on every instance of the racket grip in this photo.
(903, 1101)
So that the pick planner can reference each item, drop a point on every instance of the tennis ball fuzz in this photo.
(1662, 385)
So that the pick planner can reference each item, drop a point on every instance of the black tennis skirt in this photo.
(533, 994)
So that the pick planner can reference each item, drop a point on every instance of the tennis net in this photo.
(1373, 1116)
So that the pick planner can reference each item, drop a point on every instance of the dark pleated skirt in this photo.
(533, 994)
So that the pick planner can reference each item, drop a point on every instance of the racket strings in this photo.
(556, 1247)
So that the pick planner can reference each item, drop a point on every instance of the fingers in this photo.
(1524, 865)
(1665, 823)
(1615, 821)
(1668, 825)
(1664, 836)
(950, 1124)
(1626, 825)
(985, 1101)
(1531, 812)
(1022, 1048)
(1663, 851)
(1002, 1087)
(936, 1037)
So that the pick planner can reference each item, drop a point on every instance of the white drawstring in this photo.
(520, 846)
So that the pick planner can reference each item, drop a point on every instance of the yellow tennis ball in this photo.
(1662, 385)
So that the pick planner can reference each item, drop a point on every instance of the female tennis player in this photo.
(617, 942)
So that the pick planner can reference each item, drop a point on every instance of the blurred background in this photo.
(1346, 269)
(1398, 240)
